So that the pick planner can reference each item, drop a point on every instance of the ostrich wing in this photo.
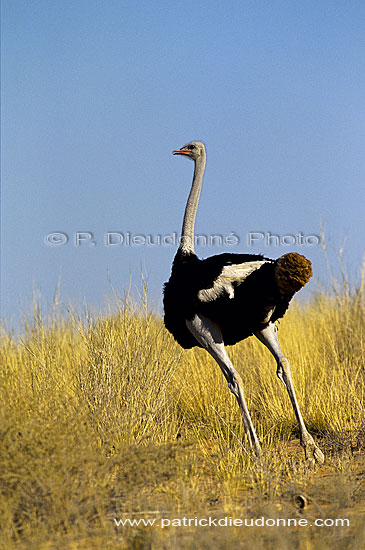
(229, 277)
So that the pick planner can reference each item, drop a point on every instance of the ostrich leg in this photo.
(209, 335)
(268, 336)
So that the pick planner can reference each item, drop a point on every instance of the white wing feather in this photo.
(235, 273)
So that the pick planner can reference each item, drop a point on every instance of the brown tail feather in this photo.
(292, 272)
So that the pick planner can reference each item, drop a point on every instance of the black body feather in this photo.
(238, 317)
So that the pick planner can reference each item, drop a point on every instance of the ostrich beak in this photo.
(181, 151)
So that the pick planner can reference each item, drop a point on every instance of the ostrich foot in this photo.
(312, 452)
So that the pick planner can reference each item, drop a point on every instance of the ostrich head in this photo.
(193, 150)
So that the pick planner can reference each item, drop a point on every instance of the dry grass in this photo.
(106, 416)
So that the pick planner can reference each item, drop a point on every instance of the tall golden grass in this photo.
(104, 414)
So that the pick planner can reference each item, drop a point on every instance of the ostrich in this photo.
(223, 299)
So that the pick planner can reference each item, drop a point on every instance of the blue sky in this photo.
(95, 95)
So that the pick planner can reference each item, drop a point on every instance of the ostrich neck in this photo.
(187, 233)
